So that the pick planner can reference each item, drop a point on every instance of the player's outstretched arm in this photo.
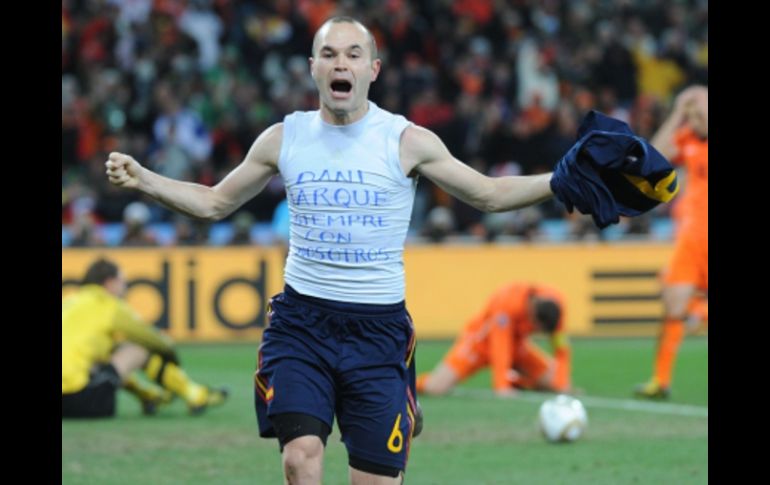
(422, 151)
(200, 201)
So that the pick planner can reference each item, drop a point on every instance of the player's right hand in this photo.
(123, 170)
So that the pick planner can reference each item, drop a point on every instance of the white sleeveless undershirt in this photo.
(349, 206)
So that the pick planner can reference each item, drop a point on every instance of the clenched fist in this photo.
(123, 170)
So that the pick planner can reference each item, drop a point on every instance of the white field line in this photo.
(597, 402)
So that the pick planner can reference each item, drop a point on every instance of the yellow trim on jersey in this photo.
(267, 392)
(660, 192)
(261, 386)
(411, 351)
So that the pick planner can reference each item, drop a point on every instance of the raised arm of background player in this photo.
(664, 140)
(420, 151)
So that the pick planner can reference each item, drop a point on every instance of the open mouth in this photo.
(341, 88)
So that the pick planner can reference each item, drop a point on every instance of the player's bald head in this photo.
(324, 29)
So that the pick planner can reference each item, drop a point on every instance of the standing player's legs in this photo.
(320, 357)
(294, 390)
(377, 422)
(303, 441)
(676, 299)
(377, 407)
(687, 273)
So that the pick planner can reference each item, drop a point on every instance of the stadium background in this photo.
(504, 83)
(185, 87)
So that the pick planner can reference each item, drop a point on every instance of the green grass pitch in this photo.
(469, 438)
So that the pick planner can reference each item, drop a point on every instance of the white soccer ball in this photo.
(562, 419)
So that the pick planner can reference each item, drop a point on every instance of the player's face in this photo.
(343, 69)
(117, 285)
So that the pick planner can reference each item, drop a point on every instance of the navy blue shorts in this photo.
(325, 358)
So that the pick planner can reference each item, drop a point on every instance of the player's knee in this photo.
(128, 357)
(369, 472)
(301, 431)
(302, 456)
(675, 304)
(675, 308)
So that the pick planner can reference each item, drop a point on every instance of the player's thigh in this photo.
(376, 418)
(687, 271)
(688, 264)
(292, 385)
(293, 371)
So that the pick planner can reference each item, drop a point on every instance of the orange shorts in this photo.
(689, 263)
(465, 359)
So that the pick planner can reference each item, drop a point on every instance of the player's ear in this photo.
(376, 66)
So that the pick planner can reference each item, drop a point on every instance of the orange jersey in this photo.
(502, 329)
(693, 208)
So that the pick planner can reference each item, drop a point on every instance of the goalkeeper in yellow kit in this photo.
(104, 343)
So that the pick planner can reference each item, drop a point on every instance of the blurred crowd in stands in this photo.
(185, 86)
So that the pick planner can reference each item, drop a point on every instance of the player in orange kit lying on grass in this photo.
(499, 337)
